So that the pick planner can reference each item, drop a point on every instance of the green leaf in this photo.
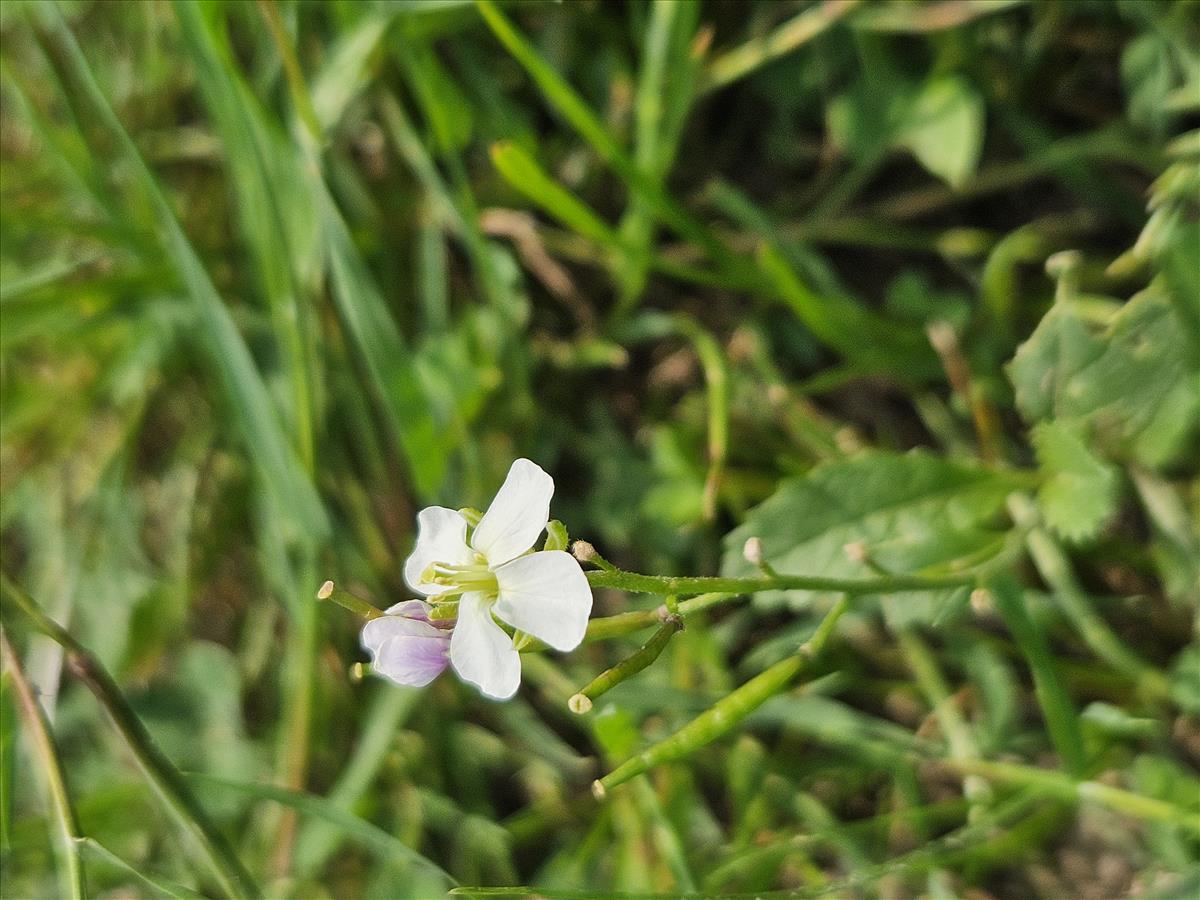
(346, 69)
(1079, 493)
(944, 128)
(386, 846)
(1132, 383)
(158, 885)
(1185, 680)
(523, 172)
(910, 511)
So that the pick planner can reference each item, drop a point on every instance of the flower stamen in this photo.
(461, 578)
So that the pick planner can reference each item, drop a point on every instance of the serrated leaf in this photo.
(911, 511)
(1132, 384)
(1079, 493)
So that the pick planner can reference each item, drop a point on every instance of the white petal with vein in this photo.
(441, 537)
(518, 514)
(481, 652)
(547, 595)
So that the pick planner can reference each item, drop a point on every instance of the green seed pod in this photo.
(728, 712)
(627, 668)
(346, 600)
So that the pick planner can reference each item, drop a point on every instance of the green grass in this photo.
(906, 291)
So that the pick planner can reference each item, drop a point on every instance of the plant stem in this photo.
(746, 58)
(729, 711)
(627, 668)
(177, 797)
(923, 664)
(1052, 564)
(1064, 786)
(69, 832)
(670, 584)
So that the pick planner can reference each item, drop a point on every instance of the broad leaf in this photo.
(944, 128)
(910, 511)
(1132, 384)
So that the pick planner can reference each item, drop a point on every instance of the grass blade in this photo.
(38, 728)
(378, 840)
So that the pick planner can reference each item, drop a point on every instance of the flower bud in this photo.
(856, 551)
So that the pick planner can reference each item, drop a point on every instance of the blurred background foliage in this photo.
(275, 275)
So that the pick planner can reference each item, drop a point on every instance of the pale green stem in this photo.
(1062, 785)
(716, 377)
(627, 668)
(69, 832)
(1052, 564)
(933, 685)
(744, 59)
(729, 711)
(348, 601)
(670, 584)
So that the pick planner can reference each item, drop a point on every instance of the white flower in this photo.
(544, 594)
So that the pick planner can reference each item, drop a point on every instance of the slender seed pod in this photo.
(627, 668)
(346, 600)
(728, 712)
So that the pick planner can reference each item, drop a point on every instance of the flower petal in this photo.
(481, 653)
(410, 609)
(386, 627)
(547, 595)
(441, 537)
(518, 514)
(411, 660)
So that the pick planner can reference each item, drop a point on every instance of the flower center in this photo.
(463, 577)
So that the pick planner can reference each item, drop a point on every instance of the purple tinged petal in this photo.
(410, 609)
(377, 632)
(412, 661)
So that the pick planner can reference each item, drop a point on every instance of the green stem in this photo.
(292, 73)
(1052, 564)
(69, 832)
(177, 797)
(627, 668)
(1064, 786)
(670, 584)
(745, 58)
(932, 683)
(729, 711)
(716, 377)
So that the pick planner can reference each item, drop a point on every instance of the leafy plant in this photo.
(862, 341)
